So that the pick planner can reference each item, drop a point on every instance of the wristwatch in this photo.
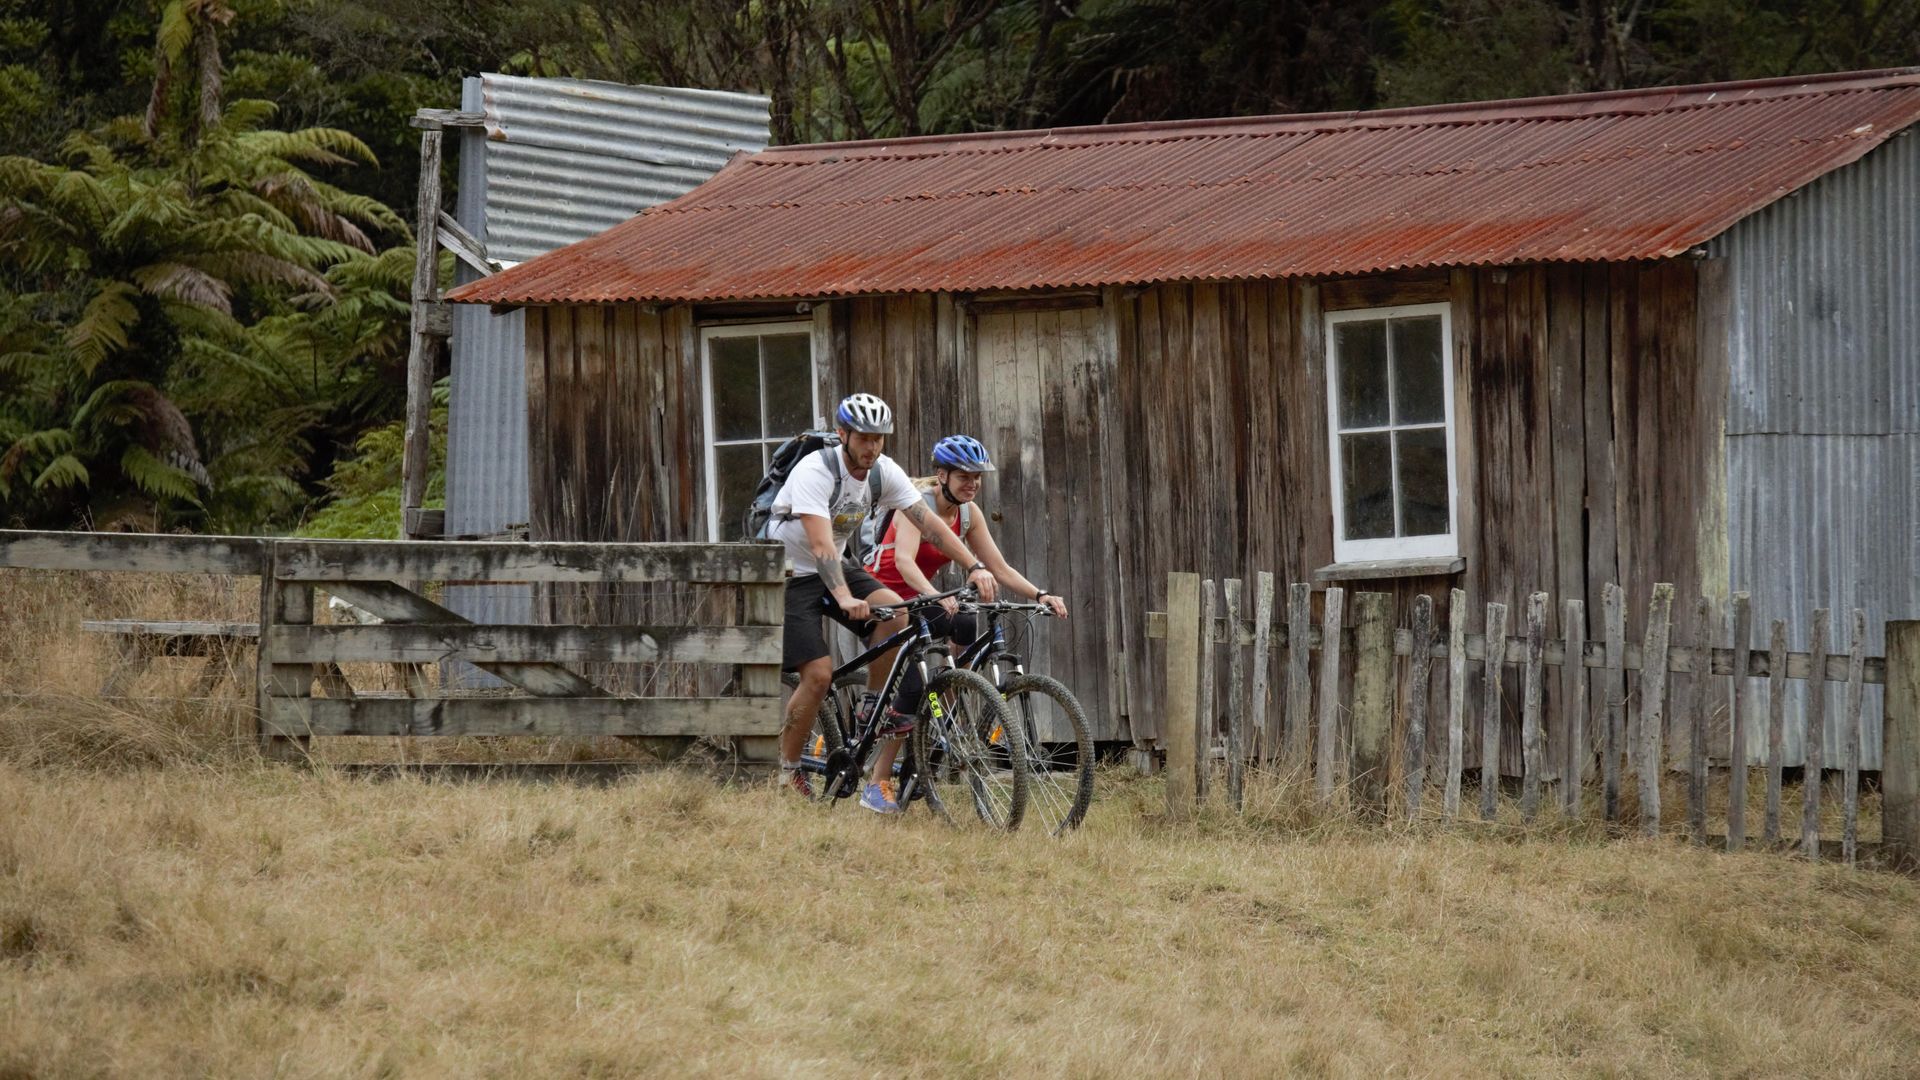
(974, 567)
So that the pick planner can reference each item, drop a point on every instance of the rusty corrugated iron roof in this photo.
(1627, 175)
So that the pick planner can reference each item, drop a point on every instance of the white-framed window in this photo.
(760, 391)
(1390, 421)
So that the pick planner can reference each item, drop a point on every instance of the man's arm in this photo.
(934, 529)
(827, 558)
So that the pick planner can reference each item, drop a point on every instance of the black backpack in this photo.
(759, 518)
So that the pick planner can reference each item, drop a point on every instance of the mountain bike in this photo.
(1051, 721)
(953, 756)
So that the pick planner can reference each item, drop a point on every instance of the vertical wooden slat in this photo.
(1372, 702)
(1699, 702)
(1850, 794)
(1456, 700)
(1236, 696)
(1299, 674)
(292, 605)
(1900, 749)
(765, 606)
(1258, 706)
(1615, 616)
(1183, 664)
(1737, 723)
(1203, 745)
(1653, 705)
(1419, 682)
(1327, 738)
(1776, 728)
(424, 347)
(1532, 749)
(1811, 780)
(1573, 674)
(1492, 710)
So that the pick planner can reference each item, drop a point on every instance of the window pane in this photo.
(789, 360)
(736, 387)
(739, 469)
(1361, 354)
(1423, 481)
(1419, 387)
(1366, 472)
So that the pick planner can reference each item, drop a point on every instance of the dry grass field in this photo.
(169, 907)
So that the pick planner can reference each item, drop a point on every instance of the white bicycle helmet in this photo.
(865, 413)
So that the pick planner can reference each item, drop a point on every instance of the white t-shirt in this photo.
(811, 485)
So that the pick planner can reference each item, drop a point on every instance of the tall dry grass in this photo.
(269, 921)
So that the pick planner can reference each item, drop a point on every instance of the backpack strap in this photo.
(838, 469)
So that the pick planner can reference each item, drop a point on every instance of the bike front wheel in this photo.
(1059, 750)
(968, 750)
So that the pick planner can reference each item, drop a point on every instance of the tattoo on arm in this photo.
(832, 575)
(917, 513)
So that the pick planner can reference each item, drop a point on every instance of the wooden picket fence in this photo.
(1344, 744)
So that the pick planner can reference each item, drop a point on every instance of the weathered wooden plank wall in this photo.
(1182, 426)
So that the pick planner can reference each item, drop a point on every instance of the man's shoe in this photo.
(878, 797)
(796, 781)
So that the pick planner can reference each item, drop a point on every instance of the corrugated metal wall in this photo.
(1823, 418)
(558, 161)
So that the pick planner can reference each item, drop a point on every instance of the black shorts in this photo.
(806, 638)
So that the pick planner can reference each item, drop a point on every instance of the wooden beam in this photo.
(527, 716)
(1900, 764)
(398, 643)
(490, 560)
(424, 348)
(395, 604)
(435, 119)
(143, 552)
(1180, 724)
(465, 246)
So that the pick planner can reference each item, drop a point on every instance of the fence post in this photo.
(1208, 706)
(1532, 694)
(1492, 712)
(1900, 748)
(1372, 703)
(1419, 684)
(1236, 695)
(282, 603)
(1299, 676)
(1653, 705)
(1325, 776)
(1181, 729)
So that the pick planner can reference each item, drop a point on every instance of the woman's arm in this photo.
(981, 539)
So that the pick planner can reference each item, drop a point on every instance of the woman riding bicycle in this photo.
(960, 462)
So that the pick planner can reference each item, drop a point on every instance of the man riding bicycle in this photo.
(814, 523)
(909, 554)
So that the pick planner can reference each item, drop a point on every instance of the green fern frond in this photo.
(61, 473)
(108, 405)
(175, 35)
(103, 326)
(156, 477)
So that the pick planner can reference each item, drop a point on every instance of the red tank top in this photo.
(929, 558)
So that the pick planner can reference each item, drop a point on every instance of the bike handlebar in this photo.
(965, 594)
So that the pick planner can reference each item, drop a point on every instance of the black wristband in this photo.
(1040, 595)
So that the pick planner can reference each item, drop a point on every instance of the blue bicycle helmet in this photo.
(963, 452)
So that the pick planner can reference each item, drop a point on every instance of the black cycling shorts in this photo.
(806, 638)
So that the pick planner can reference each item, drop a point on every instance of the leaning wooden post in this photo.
(416, 461)
(1419, 681)
(1615, 617)
(1328, 737)
(1236, 696)
(1900, 748)
(1776, 729)
(1183, 678)
(1737, 724)
(1456, 701)
(1653, 704)
(1533, 759)
(1699, 695)
(1299, 675)
(1203, 731)
(1372, 703)
(1494, 656)
(1264, 740)
(1816, 737)
(1850, 740)
(1574, 674)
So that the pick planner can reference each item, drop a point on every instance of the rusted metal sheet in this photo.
(1606, 177)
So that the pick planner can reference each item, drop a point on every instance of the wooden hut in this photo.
(1505, 346)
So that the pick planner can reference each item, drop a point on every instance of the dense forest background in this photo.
(204, 204)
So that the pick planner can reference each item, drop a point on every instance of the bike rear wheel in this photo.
(827, 742)
(967, 750)
(1060, 787)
